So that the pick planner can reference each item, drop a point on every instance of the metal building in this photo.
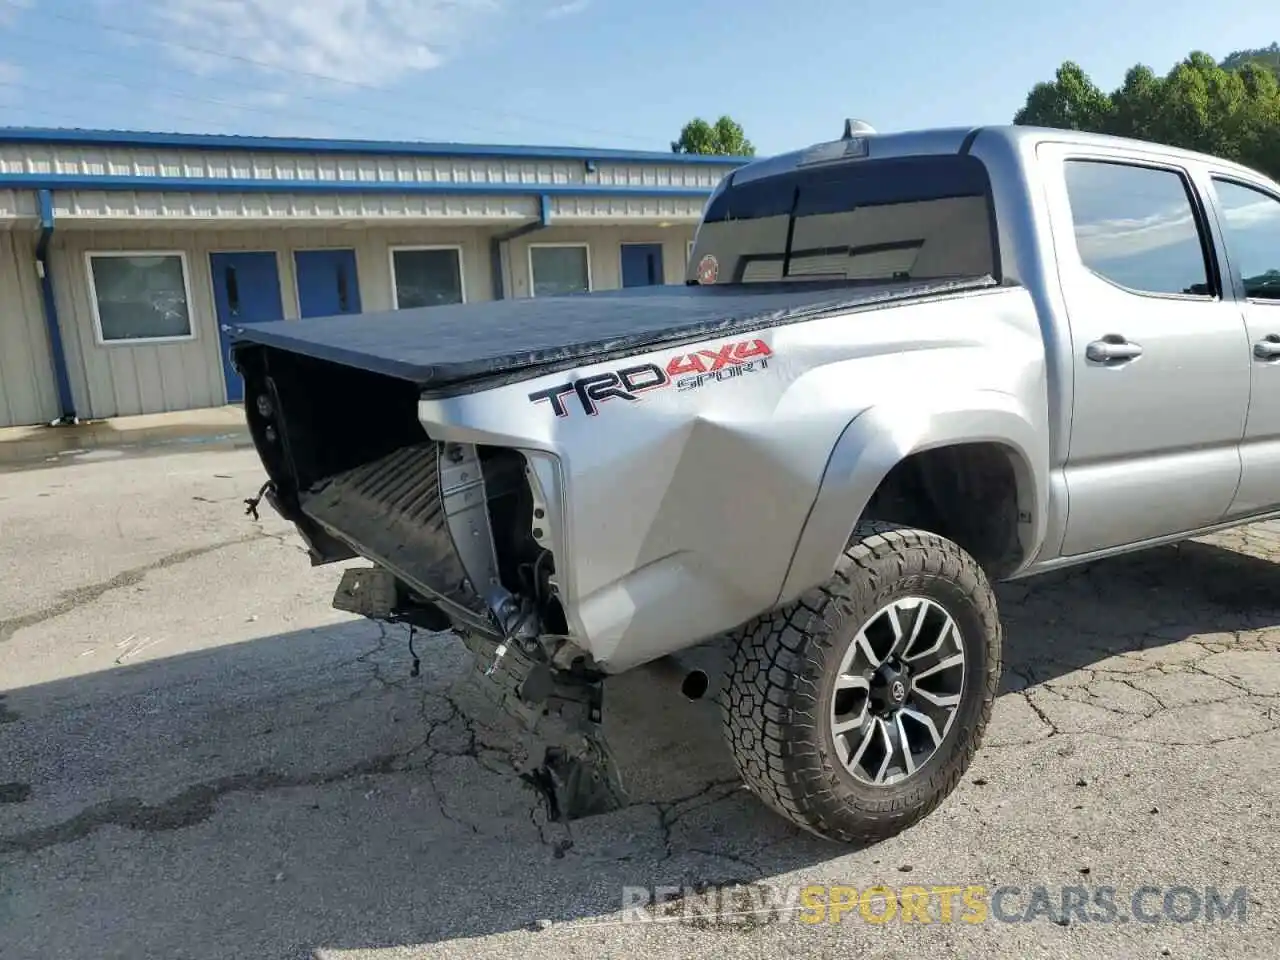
(122, 253)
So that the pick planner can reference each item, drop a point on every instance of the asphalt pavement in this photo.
(200, 758)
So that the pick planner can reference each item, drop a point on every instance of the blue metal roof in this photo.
(218, 141)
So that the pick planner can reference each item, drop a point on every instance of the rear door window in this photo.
(1253, 236)
(1137, 227)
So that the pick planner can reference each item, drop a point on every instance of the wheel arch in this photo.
(885, 438)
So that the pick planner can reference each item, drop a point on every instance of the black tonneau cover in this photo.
(448, 345)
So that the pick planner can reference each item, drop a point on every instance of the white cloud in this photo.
(1262, 213)
(265, 98)
(567, 9)
(372, 42)
(1105, 239)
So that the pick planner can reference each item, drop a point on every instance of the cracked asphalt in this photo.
(199, 758)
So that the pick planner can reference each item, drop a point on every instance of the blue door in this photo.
(246, 289)
(327, 283)
(641, 264)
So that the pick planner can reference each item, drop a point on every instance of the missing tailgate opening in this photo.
(353, 468)
(311, 419)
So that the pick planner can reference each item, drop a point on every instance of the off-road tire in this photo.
(781, 672)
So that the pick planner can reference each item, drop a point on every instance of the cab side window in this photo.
(1253, 237)
(1136, 227)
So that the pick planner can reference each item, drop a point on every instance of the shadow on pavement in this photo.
(1061, 622)
(304, 792)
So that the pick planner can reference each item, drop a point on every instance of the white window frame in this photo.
(591, 284)
(391, 265)
(98, 337)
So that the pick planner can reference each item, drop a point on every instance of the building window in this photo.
(426, 276)
(140, 296)
(559, 268)
(1136, 226)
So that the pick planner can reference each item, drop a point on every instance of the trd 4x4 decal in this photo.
(687, 371)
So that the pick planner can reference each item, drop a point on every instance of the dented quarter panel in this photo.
(689, 509)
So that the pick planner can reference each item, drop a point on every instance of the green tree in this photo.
(725, 137)
(1259, 122)
(1138, 104)
(1229, 109)
(1070, 102)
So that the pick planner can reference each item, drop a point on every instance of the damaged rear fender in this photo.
(880, 437)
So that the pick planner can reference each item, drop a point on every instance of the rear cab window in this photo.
(863, 221)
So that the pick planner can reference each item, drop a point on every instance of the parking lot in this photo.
(200, 758)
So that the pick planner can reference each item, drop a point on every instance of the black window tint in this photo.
(872, 221)
(1253, 237)
(1136, 227)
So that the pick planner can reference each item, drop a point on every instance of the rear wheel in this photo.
(855, 711)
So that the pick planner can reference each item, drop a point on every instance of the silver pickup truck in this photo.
(902, 368)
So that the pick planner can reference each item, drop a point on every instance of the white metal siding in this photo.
(241, 164)
(122, 379)
(88, 205)
(169, 206)
(27, 391)
(605, 244)
(375, 266)
(614, 209)
(17, 203)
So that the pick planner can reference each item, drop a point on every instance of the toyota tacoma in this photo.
(902, 368)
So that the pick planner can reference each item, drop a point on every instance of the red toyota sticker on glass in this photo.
(708, 269)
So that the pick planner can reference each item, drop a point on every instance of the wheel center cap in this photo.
(889, 689)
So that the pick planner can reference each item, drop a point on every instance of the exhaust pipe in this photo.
(693, 683)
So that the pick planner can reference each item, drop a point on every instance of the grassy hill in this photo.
(1265, 56)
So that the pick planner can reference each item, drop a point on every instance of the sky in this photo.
(602, 73)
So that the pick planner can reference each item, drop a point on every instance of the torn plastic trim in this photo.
(550, 519)
(464, 495)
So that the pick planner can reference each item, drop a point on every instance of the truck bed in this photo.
(435, 347)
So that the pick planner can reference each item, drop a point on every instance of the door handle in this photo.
(1112, 348)
(1268, 349)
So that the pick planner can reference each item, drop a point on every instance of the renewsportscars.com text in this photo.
(760, 904)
